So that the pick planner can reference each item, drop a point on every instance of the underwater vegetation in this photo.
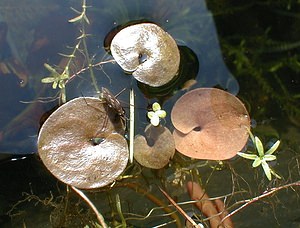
(147, 113)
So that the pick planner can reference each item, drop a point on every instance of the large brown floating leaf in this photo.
(147, 51)
(156, 150)
(210, 124)
(66, 147)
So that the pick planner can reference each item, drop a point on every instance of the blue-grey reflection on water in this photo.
(189, 22)
(15, 138)
(192, 25)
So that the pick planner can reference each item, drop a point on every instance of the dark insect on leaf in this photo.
(96, 141)
(113, 102)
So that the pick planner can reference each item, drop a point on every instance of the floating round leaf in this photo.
(210, 124)
(82, 143)
(147, 51)
(156, 149)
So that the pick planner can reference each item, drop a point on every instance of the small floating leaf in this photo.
(82, 143)
(148, 52)
(210, 124)
(156, 149)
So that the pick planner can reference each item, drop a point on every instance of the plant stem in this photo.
(93, 207)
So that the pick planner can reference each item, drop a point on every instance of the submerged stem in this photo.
(93, 207)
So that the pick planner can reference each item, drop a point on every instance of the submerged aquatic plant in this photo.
(61, 79)
(156, 114)
(262, 158)
(56, 78)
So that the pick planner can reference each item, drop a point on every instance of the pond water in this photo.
(249, 49)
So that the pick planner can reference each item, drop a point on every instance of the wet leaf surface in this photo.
(210, 124)
(156, 149)
(148, 52)
(66, 148)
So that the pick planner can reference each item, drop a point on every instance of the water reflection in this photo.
(190, 23)
(269, 84)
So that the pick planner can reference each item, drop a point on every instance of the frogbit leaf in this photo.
(156, 106)
(150, 114)
(155, 120)
(156, 114)
(161, 113)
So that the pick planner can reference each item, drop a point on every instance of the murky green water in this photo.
(249, 49)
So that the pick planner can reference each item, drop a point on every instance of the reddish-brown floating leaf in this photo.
(156, 150)
(147, 51)
(210, 124)
(66, 148)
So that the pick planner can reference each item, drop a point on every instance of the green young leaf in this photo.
(86, 19)
(75, 10)
(50, 68)
(267, 170)
(156, 114)
(269, 157)
(275, 174)
(150, 115)
(259, 146)
(257, 162)
(76, 19)
(251, 135)
(156, 106)
(273, 148)
(64, 76)
(54, 85)
(161, 113)
(67, 56)
(48, 80)
(61, 84)
(247, 156)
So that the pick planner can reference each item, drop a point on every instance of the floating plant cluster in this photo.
(82, 143)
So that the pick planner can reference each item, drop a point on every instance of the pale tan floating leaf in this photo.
(156, 150)
(148, 52)
(66, 149)
(210, 124)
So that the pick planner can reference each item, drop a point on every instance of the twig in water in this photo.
(179, 209)
(86, 199)
(254, 199)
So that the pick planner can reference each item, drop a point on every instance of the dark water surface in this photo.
(250, 49)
